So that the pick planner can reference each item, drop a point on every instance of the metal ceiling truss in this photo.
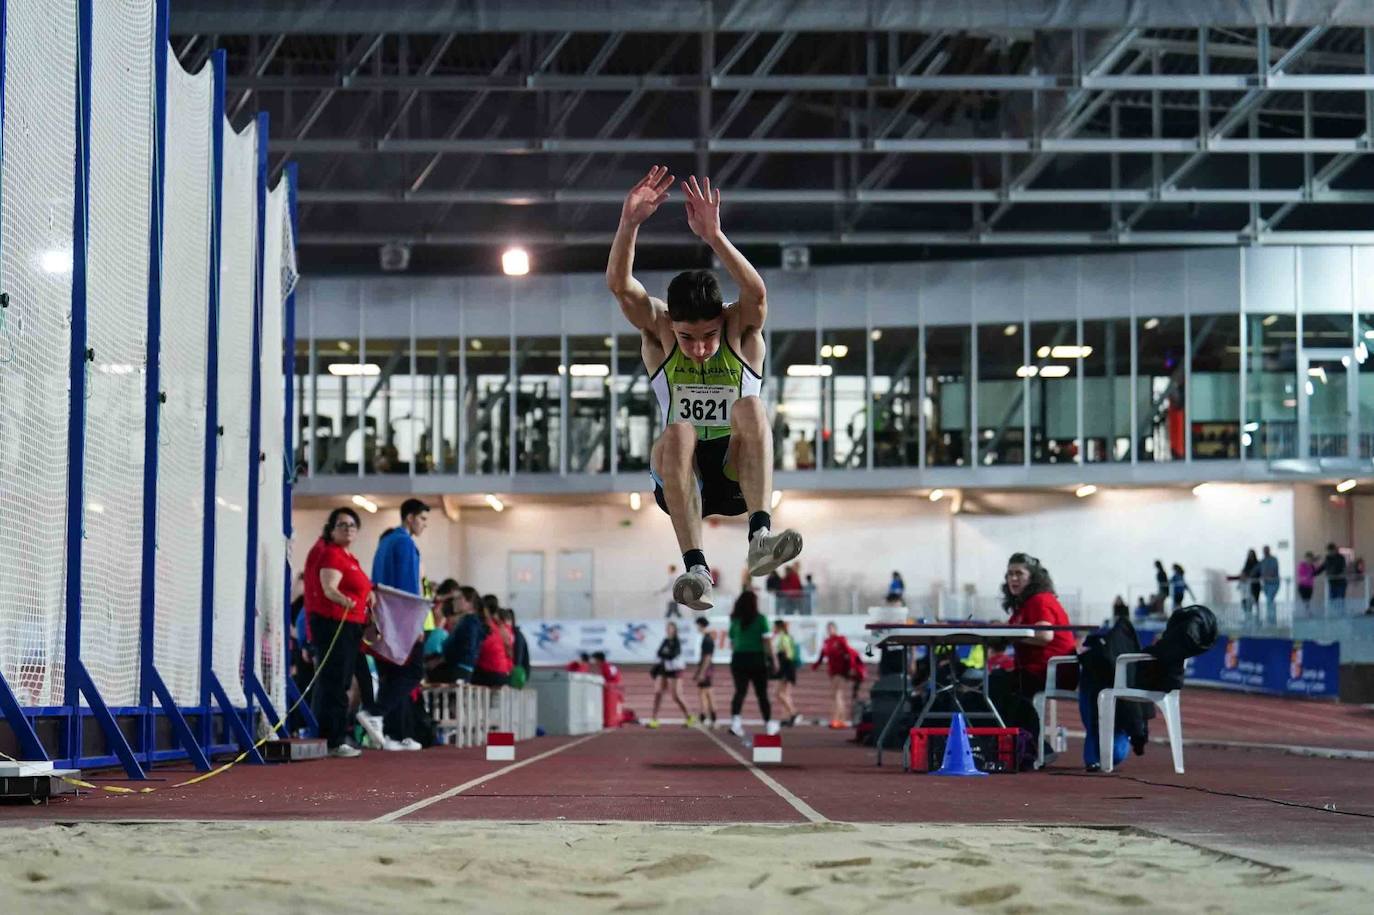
(1135, 137)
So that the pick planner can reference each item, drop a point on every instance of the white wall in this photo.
(440, 544)
(1099, 547)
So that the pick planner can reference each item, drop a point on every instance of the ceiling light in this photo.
(1270, 321)
(936, 495)
(776, 500)
(1071, 352)
(366, 504)
(56, 261)
(495, 503)
(608, 342)
(1345, 485)
(635, 501)
(1200, 488)
(1043, 352)
(515, 262)
(809, 371)
(96, 507)
(826, 351)
(1027, 371)
(1246, 439)
(1011, 329)
(345, 346)
(475, 343)
(1085, 490)
(840, 350)
(1252, 427)
(1368, 335)
(354, 370)
(877, 335)
(1054, 371)
(1150, 323)
(589, 370)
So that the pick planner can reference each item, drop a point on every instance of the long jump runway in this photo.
(672, 819)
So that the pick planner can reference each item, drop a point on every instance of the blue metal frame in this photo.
(78, 679)
(151, 685)
(252, 686)
(212, 693)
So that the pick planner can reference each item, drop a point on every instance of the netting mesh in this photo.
(117, 315)
(36, 189)
(238, 253)
(181, 435)
(271, 654)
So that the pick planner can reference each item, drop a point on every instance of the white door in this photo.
(575, 584)
(525, 583)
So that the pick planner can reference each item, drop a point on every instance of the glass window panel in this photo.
(589, 404)
(338, 399)
(1214, 401)
(539, 406)
(845, 403)
(948, 370)
(1364, 342)
(1054, 391)
(1271, 399)
(1326, 331)
(1001, 391)
(305, 394)
(896, 405)
(1107, 390)
(437, 364)
(637, 415)
(1161, 406)
(386, 398)
(794, 377)
(485, 405)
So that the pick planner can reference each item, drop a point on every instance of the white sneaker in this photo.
(767, 550)
(772, 728)
(392, 745)
(372, 724)
(410, 743)
(693, 588)
(737, 727)
(345, 751)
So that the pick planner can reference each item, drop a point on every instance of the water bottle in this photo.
(1061, 740)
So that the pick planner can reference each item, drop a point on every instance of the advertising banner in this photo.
(1277, 666)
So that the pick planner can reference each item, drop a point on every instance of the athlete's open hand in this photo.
(644, 198)
(703, 208)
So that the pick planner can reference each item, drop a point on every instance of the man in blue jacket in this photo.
(397, 564)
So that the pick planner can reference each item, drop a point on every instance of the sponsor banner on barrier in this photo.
(1278, 666)
(557, 642)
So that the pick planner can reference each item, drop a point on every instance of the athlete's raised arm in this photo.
(703, 216)
(640, 203)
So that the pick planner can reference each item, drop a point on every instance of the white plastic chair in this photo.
(1167, 703)
(1050, 693)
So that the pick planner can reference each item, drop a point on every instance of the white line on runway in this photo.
(797, 803)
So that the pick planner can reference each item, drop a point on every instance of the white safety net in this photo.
(238, 265)
(181, 434)
(271, 654)
(117, 331)
(36, 190)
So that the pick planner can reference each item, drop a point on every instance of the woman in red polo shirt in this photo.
(1028, 597)
(337, 597)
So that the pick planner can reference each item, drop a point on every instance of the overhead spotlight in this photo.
(56, 261)
(1150, 323)
(827, 350)
(840, 350)
(495, 503)
(776, 500)
(1200, 488)
(1043, 352)
(515, 262)
(1085, 490)
(635, 502)
(588, 370)
(1345, 485)
(365, 504)
(1270, 321)
(608, 342)
(802, 370)
(877, 335)
(936, 495)
(394, 257)
(1054, 371)
(354, 370)
(475, 343)
(1027, 371)
(1011, 329)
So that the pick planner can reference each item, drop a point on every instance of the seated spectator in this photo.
(445, 615)
(582, 665)
(605, 669)
(496, 651)
(464, 639)
(520, 672)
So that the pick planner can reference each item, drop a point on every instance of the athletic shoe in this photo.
(392, 745)
(837, 725)
(345, 751)
(652, 724)
(767, 550)
(372, 725)
(771, 728)
(691, 721)
(410, 743)
(796, 720)
(693, 588)
(737, 728)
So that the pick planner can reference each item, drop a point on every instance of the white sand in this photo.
(569, 868)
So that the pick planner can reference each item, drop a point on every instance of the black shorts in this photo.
(658, 670)
(720, 495)
(787, 672)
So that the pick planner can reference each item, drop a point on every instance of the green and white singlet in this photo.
(704, 394)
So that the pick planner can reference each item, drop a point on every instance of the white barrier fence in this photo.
(464, 714)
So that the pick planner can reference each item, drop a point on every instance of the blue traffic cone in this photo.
(958, 755)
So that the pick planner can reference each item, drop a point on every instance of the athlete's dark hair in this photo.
(694, 295)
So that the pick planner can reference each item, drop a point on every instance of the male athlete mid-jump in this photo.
(705, 362)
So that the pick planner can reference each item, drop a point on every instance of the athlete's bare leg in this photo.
(673, 461)
(750, 459)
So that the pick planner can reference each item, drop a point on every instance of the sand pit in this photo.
(629, 867)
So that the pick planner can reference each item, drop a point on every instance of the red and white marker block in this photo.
(500, 746)
(768, 748)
